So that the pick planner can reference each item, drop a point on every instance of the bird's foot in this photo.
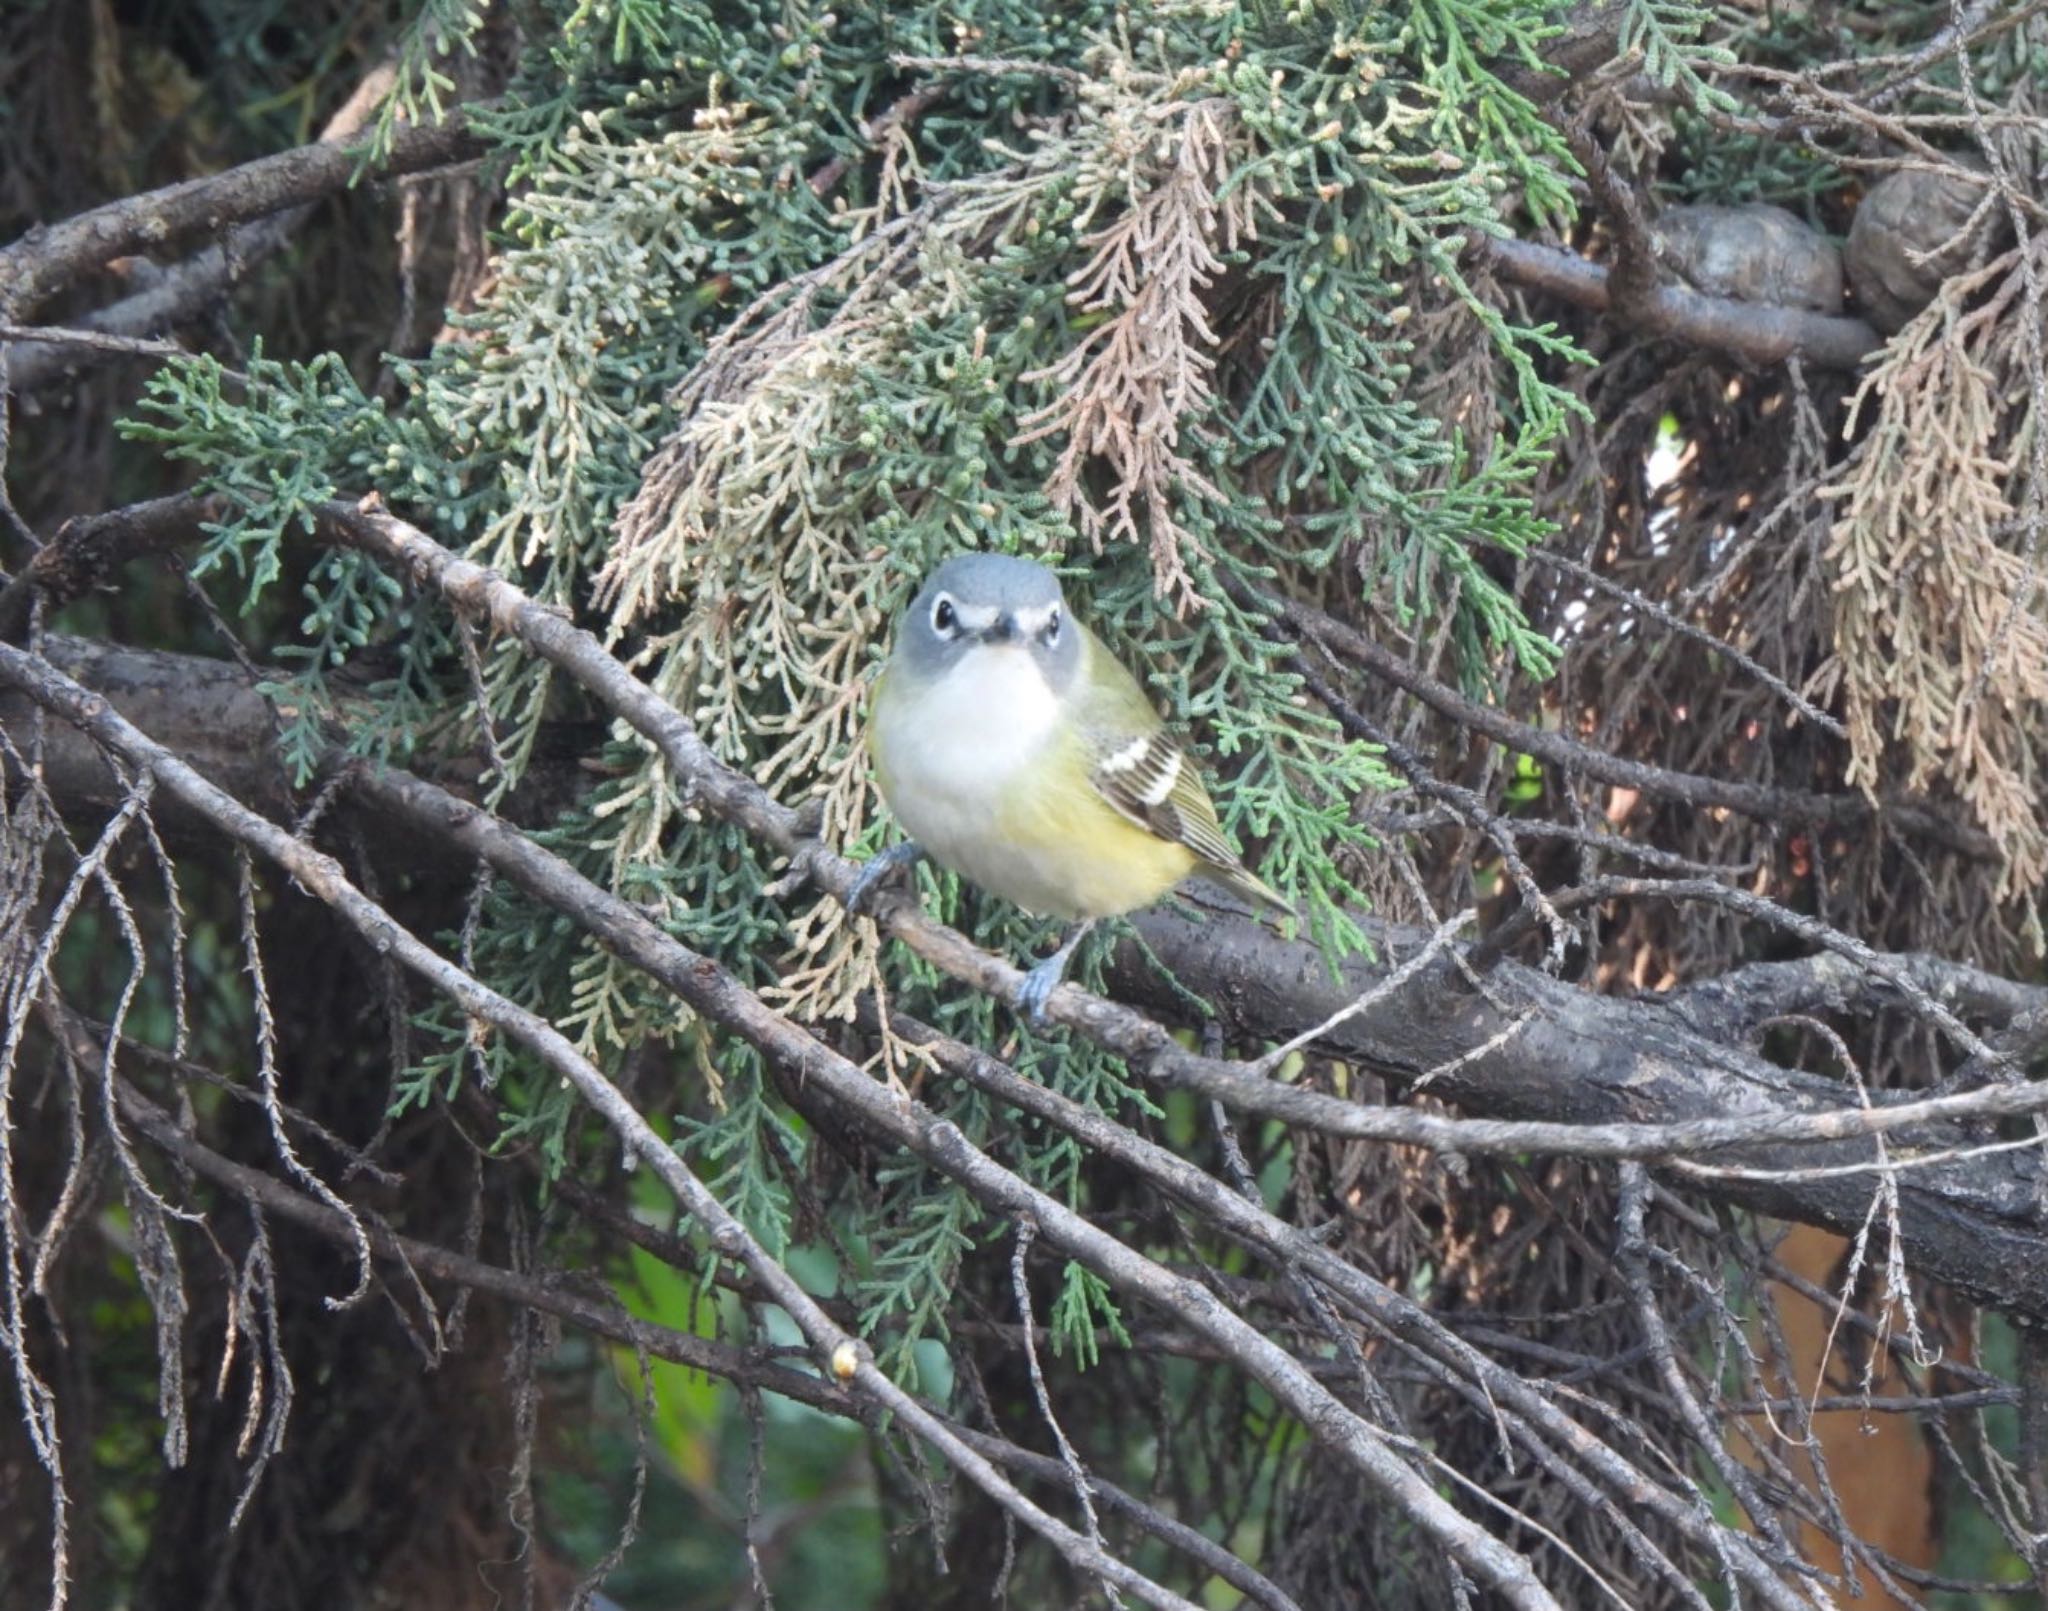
(878, 870)
(1043, 980)
(1037, 989)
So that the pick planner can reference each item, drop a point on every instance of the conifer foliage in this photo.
(434, 777)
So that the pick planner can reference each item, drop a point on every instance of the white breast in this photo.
(958, 747)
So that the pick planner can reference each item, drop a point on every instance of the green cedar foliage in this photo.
(1139, 290)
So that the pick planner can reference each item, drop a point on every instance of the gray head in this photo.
(976, 601)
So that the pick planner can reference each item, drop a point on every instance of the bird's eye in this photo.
(1052, 628)
(944, 617)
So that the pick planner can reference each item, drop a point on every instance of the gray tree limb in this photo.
(1593, 1061)
(1755, 332)
(52, 256)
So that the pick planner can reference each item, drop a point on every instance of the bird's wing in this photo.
(1149, 779)
(1141, 770)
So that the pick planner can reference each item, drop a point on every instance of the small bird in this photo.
(1017, 752)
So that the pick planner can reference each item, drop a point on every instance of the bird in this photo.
(1014, 749)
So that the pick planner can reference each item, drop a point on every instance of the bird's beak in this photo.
(1003, 629)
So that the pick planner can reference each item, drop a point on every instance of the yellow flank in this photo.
(1082, 857)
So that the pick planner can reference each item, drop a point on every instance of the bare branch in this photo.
(321, 877)
(566, 1300)
(49, 258)
(174, 297)
(1601, 1061)
(1546, 744)
(86, 552)
(1751, 331)
(1604, 1061)
(710, 989)
(1532, 1416)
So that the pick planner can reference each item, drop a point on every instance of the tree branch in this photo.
(629, 934)
(1972, 1232)
(88, 550)
(174, 297)
(217, 722)
(1757, 800)
(1581, 1072)
(902, 112)
(52, 256)
(737, 1365)
(1586, 40)
(1536, 1420)
(841, 1354)
(711, 990)
(205, 710)
(1608, 1064)
(1752, 331)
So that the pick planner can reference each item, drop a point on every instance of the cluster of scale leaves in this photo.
(661, 155)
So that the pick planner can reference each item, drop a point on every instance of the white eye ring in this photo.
(945, 619)
(1052, 628)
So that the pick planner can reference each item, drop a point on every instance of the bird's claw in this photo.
(1043, 980)
(878, 871)
(1038, 986)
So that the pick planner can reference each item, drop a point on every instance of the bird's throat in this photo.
(965, 743)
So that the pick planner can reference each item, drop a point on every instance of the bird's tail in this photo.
(1241, 880)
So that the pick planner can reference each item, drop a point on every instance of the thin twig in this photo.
(1439, 941)
(1070, 1458)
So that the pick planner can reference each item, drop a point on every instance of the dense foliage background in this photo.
(1617, 630)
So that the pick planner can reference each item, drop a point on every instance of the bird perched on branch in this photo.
(1016, 751)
